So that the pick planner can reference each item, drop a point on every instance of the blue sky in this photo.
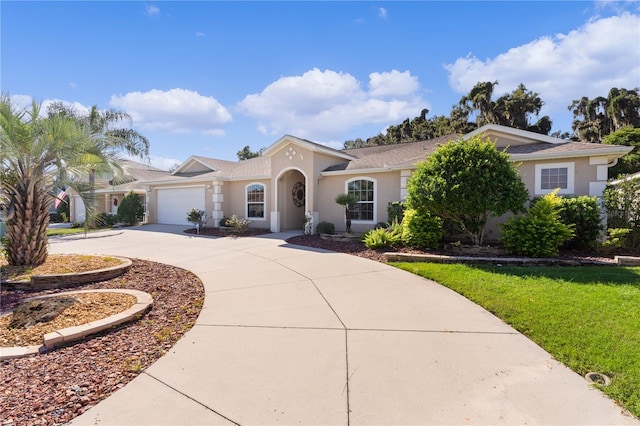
(209, 77)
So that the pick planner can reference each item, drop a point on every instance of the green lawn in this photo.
(64, 231)
(586, 317)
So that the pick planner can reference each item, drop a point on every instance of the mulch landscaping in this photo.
(54, 387)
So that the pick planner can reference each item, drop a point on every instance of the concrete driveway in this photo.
(291, 335)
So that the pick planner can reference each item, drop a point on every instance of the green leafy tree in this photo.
(515, 109)
(630, 163)
(593, 119)
(467, 182)
(32, 149)
(346, 200)
(246, 153)
(131, 210)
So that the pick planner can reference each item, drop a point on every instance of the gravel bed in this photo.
(54, 387)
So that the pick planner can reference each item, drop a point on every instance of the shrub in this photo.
(131, 210)
(468, 182)
(239, 225)
(421, 229)
(617, 238)
(390, 236)
(325, 228)
(197, 217)
(539, 232)
(105, 220)
(76, 225)
(584, 214)
(63, 209)
(224, 222)
(395, 211)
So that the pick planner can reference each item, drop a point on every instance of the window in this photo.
(554, 176)
(364, 192)
(255, 201)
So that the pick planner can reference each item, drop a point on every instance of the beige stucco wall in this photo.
(235, 200)
(329, 187)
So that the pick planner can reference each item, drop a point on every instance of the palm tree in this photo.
(32, 149)
(112, 138)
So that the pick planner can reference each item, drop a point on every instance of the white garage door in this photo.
(174, 203)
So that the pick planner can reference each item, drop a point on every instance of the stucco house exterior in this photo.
(295, 177)
(109, 191)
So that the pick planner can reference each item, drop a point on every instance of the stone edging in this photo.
(72, 279)
(71, 334)
(434, 258)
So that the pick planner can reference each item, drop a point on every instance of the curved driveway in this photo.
(291, 335)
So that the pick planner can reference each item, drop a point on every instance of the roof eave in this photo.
(609, 153)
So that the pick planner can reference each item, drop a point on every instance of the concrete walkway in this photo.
(291, 335)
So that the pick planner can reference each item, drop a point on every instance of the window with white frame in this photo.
(255, 201)
(364, 191)
(554, 176)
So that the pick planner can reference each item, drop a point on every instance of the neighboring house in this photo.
(295, 176)
(110, 192)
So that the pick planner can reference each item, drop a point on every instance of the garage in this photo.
(79, 212)
(174, 203)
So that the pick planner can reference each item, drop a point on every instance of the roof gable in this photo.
(514, 136)
(287, 140)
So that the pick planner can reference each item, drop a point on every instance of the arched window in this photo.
(364, 191)
(255, 201)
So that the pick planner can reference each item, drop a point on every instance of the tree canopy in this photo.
(467, 182)
(630, 163)
(246, 153)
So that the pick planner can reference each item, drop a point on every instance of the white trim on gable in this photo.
(184, 167)
(314, 147)
(517, 134)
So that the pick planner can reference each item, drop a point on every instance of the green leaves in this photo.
(467, 181)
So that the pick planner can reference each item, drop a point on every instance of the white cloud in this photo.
(200, 34)
(325, 105)
(382, 12)
(152, 10)
(177, 110)
(21, 102)
(588, 61)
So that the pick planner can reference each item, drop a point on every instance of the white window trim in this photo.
(570, 178)
(375, 198)
(246, 203)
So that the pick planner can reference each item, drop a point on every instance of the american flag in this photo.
(60, 198)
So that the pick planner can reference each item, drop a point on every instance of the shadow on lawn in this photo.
(607, 275)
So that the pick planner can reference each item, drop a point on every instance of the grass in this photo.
(586, 317)
(64, 231)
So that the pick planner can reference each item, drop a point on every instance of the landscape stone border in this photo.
(57, 338)
(73, 279)
(436, 258)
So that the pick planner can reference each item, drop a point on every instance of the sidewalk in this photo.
(292, 335)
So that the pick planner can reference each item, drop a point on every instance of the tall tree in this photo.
(32, 149)
(516, 109)
(593, 119)
(112, 133)
(246, 153)
(630, 163)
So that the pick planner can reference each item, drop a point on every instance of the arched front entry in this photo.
(291, 202)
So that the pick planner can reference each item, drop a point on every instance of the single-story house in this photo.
(111, 190)
(295, 177)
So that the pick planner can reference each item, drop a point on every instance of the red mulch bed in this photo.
(54, 387)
